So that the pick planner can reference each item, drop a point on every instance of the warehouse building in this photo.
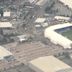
(49, 64)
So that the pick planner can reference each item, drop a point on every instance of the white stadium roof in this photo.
(4, 52)
(40, 20)
(5, 25)
(48, 64)
(67, 2)
(56, 37)
(6, 14)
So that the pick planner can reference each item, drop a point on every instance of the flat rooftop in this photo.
(40, 20)
(41, 2)
(6, 14)
(5, 25)
(62, 17)
(48, 64)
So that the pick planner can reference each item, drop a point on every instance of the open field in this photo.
(68, 34)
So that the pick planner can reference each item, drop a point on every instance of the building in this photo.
(57, 38)
(40, 20)
(67, 2)
(4, 53)
(7, 14)
(41, 2)
(48, 64)
(6, 28)
(5, 25)
(62, 18)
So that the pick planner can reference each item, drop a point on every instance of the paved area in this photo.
(28, 51)
(19, 68)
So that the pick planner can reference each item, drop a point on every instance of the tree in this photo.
(1, 12)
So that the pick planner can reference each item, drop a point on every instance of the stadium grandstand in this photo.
(58, 38)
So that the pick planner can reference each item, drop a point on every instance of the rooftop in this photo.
(41, 2)
(57, 38)
(40, 20)
(62, 17)
(6, 14)
(67, 2)
(48, 64)
(5, 25)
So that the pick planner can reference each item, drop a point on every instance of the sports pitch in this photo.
(68, 34)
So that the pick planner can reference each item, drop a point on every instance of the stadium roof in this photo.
(48, 64)
(5, 25)
(56, 37)
(6, 14)
(67, 2)
(4, 52)
(40, 20)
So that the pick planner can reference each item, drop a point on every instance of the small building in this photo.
(44, 24)
(40, 20)
(62, 18)
(41, 2)
(5, 25)
(4, 53)
(7, 14)
(48, 64)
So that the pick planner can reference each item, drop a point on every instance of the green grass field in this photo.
(68, 34)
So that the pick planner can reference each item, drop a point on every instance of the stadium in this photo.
(67, 32)
(60, 34)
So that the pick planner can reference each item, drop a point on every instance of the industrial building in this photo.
(57, 38)
(48, 64)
